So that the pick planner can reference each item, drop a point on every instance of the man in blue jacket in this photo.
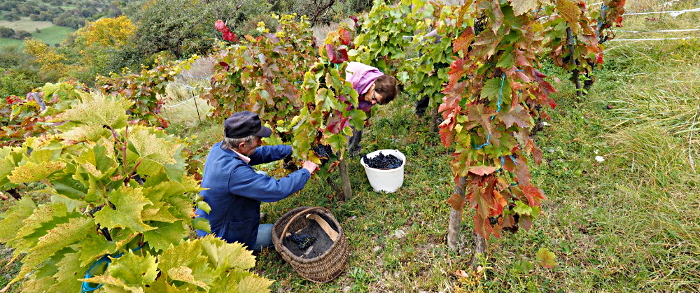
(234, 190)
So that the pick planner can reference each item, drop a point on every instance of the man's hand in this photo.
(310, 166)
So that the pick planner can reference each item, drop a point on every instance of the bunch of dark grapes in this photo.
(323, 151)
(480, 24)
(381, 161)
(304, 241)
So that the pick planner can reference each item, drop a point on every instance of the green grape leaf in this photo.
(506, 60)
(33, 172)
(14, 218)
(67, 274)
(522, 208)
(89, 132)
(491, 90)
(187, 275)
(133, 269)
(37, 285)
(148, 145)
(247, 282)
(203, 205)
(93, 246)
(158, 212)
(56, 239)
(69, 187)
(9, 159)
(111, 284)
(546, 258)
(224, 256)
(96, 110)
(128, 203)
(201, 224)
(165, 234)
(38, 224)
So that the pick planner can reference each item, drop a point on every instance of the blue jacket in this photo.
(234, 191)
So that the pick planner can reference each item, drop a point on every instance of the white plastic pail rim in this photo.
(386, 152)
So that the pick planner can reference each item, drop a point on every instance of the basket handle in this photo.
(324, 225)
(284, 231)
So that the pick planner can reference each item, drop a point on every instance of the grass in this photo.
(53, 35)
(10, 42)
(47, 32)
(626, 224)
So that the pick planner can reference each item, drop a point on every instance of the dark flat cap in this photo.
(243, 124)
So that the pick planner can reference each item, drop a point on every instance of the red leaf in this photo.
(482, 170)
(224, 65)
(342, 55)
(220, 25)
(456, 201)
(330, 52)
(462, 42)
(534, 195)
(599, 58)
(518, 115)
(336, 124)
(457, 70)
(230, 36)
(345, 37)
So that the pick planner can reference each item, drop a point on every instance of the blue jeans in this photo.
(264, 239)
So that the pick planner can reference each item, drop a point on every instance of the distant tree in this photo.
(22, 34)
(6, 32)
(15, 82)
(186, 27)
(106, 32)
(320, 11)
(17, 74)
(69, 19)
(11, 17)
(51, 64)
(12, 56)
(97, 42)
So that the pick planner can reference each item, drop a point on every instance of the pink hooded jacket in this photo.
(361, 76)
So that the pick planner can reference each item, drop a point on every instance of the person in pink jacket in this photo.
(373, 87)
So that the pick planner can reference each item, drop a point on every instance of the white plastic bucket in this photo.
(385, 180)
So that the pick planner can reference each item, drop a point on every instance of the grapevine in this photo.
(494, 90)
(264, 74)
(115, 187)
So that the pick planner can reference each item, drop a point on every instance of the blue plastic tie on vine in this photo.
(503, 162)
(603, 10)
(500, 95)
(104, 259)
(488, 142)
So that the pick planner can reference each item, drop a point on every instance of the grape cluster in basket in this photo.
(381, 161)
(303, 241)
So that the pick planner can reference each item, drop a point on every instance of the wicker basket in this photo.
(327, 258)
